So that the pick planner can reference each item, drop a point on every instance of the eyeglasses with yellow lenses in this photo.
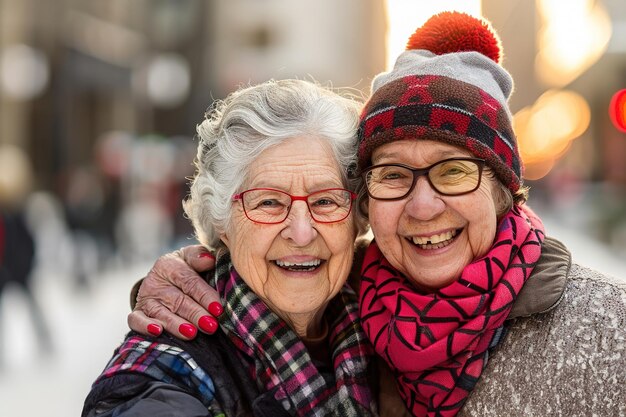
(453, 176)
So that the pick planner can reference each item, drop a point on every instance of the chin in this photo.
(304, 302)
(432, 284)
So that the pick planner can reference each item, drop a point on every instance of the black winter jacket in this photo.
(131, 394)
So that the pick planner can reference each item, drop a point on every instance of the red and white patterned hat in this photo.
(447, 86)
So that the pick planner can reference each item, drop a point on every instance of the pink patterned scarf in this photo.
(437, 343)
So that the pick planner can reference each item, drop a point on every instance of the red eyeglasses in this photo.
(271, 206)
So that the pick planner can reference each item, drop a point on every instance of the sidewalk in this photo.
(586, 251)
(85, 327)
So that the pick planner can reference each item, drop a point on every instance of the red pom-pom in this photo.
(450, 32)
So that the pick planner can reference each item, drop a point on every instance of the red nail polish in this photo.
(216, 308)
(188, 330)
(208, 324)
(206, 255)
(154, 329)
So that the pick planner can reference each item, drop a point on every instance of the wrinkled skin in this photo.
(173, 289)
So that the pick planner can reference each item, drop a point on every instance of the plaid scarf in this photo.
(278, 359)
(437, 344)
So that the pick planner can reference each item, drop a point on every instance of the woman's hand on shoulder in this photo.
(173, 297)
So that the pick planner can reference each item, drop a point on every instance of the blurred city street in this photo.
(99, 105)
(86, 325)
(85, 328)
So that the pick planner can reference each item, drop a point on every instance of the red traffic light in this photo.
(617, 110)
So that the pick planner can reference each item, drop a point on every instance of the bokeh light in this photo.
(573, 35)
(546, 129)
(24, 72)
(617, 110)
(16, 175)
(164, 80)
(403, 17)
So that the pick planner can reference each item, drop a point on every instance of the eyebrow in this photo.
(316, 186)
(397, 155)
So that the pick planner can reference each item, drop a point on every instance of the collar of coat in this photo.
(545, 287)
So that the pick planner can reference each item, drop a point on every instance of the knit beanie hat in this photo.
(448, 86)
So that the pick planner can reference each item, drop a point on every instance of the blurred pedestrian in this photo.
(17, 246)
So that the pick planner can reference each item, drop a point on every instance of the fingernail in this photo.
(216, 308)
(188, 330)
(208, 324)
(206, 255)
(154, 329)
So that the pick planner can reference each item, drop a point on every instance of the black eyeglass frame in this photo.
(419, 172)
(240, 196)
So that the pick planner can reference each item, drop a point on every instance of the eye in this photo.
(328, 201)
(324, 202)
(265, 201)
(389, 174)
(269, 203)
(453, 170)
(392, 176)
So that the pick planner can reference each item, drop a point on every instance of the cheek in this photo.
(482, 225)
(481, 238)
(233, 236)
(248, 248)
(383, 220)
(340, 242)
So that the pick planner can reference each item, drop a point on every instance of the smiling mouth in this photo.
(436, 241)
(299, 266)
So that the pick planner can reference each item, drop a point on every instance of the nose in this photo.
(424, 203)
(299, 225)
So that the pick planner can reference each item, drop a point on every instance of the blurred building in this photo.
(155, 66)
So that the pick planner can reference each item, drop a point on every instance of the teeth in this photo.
(433, 240)
(314, 263)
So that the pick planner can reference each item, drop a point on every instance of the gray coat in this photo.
(565, 351)
(569, 360)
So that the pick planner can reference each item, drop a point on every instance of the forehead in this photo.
(309, 161)
(416, 152)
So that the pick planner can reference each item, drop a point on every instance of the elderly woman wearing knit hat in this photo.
(470, 306)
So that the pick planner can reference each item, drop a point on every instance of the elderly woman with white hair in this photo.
(283, 228)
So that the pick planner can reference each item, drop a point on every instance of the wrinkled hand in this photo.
(173, 296)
